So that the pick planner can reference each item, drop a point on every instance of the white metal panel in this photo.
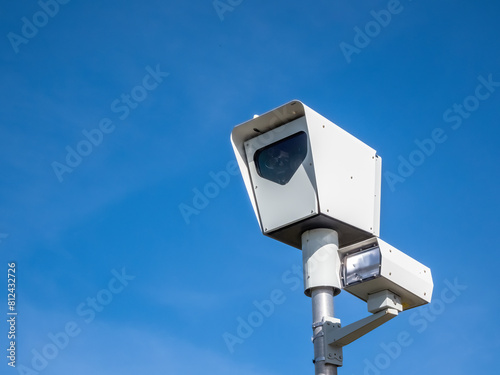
(378, 195)
(406, 272)
(251, 128)
(346, 171)
(280, 205)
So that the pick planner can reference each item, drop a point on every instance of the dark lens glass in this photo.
(279, 161)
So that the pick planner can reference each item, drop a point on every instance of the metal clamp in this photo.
(333, 353)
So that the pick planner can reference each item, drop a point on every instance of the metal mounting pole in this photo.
(322, 307)
(321, 282)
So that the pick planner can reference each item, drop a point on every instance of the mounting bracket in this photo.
(337, 336)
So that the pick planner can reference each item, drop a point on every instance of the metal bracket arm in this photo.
(341, 336)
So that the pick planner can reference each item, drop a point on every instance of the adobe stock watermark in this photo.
(122, 107)
(224, 6)
(420, 320)
(372, 29)
(221, 179)
(32, 25)
(455, 115)
(211, 190)
(293, 278)
(262, 310)
(87, 311)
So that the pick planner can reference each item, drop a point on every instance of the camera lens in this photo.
(279, 161)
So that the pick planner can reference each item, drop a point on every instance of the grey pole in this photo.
(322, 306)
(321, 263)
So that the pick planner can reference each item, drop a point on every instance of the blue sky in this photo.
(110, 269)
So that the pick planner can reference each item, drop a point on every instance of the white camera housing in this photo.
(374, 266)
(336, 185)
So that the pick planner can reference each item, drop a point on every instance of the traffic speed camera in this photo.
(374, 266)
(303, 172)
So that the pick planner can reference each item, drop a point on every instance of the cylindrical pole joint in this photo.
(321, 282)
(321, 260)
